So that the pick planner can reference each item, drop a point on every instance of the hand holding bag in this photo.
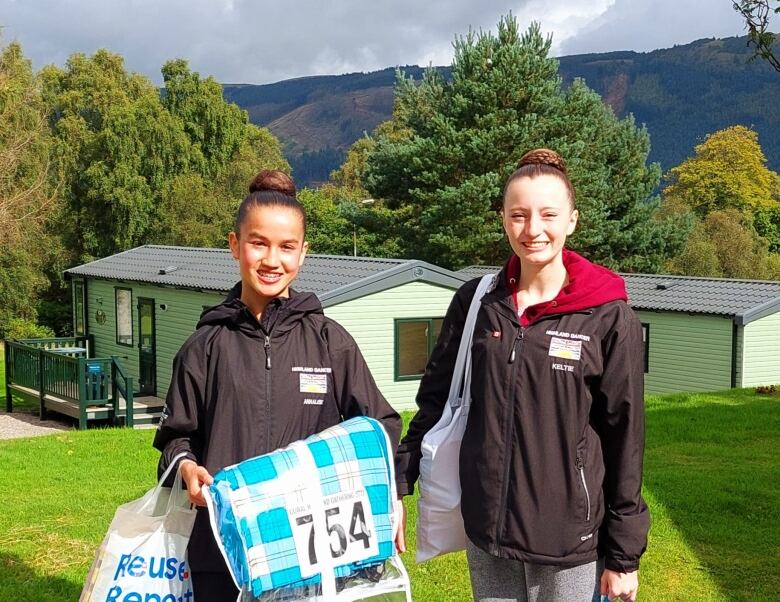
(439, 521)
(143, 555)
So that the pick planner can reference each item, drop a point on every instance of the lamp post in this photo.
(354, 227)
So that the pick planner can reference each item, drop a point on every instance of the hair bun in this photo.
(272, 180)
(543, 156)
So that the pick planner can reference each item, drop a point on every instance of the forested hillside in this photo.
(681, 93)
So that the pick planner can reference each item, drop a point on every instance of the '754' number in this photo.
(350, 533)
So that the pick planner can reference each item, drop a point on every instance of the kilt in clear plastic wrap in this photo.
(314, 513)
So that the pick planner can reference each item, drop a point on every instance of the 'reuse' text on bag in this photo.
(143, 556)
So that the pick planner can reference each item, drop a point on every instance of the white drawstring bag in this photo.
(143, 556)
(439, 521)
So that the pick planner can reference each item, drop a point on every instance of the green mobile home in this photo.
(142, 304)
(705, 334)
(702, 334)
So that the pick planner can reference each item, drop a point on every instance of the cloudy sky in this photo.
(256, 41)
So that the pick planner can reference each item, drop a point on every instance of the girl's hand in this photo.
(399, 512)
(619, 586)
(195, 477)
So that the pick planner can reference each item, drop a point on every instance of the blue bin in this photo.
(96, 378)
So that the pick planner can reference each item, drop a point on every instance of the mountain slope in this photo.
(681, 94)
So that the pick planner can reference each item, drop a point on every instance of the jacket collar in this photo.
(589, 286)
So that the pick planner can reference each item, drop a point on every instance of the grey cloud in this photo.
(644, 25)
(256, 41)
(243, 40)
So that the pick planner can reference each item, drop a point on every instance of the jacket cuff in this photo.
(403, 488)
(621, 566)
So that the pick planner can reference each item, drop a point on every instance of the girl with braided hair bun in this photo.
(551, 459)
(242, 384)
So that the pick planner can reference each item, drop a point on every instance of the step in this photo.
(146, 420)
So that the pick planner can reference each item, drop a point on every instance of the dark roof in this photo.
(743, 300)
(476, 271)
(334, 279)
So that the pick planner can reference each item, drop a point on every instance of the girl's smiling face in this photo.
(538, 216)
(269, 249)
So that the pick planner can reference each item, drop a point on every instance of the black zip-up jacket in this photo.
(241, 389)
(551, 460)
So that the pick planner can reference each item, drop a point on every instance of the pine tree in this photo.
(442, 164)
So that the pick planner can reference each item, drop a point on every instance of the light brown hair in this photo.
(542, 161)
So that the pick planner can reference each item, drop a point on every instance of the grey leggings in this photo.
(496, 579)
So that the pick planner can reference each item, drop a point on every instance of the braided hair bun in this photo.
(539, 162)
(543, 156)
(272, 180)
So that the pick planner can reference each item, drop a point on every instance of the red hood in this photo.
(590, 285)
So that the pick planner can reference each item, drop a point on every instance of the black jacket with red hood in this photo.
(242, 388)
(551, 460)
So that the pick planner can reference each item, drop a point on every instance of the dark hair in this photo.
(270, 188)
(541, 161)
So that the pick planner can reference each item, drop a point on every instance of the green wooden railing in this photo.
(121, 384)
(22, 365)
(45, 368)
(60, 343)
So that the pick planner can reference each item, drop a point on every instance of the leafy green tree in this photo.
(216, 129)
(197, 211)
(190, 213)
(142, 169)
(728, 170)
(724, 244)
(350, 174)
(327, 229)
(452, 144)
(342, 221)
(757, 14)
(699, 257)
(198, 207)
(119, 147)
(766, 221)
(736, 199)
(28, 185)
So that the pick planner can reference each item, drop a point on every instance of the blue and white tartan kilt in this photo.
(255, 506)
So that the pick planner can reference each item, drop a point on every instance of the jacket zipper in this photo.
(518, 339)
(581, 467)
(518, 343)
(267, 347)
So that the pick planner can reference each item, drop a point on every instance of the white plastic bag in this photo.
(387, 582)
(143, 556)
(439, 521)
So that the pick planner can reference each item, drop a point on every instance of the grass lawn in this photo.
(711, 482)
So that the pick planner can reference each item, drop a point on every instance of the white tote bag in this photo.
(439, 521)
(143, 556)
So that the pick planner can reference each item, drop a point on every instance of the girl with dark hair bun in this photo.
(551, 459)
(263, 369)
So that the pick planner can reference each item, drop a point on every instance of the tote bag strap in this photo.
(177, 485)
(466, 337)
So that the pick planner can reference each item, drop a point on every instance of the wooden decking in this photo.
(146, 409)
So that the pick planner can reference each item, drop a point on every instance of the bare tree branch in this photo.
(756, 14)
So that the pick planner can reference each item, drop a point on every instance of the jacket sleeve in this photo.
(356, 391)
(433, 390)
(181, 424)
(621, 426)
